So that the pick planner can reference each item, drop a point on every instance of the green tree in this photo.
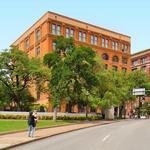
(73, 74)
(105, 93)
(55, 62)
(18, 73)
(139, 79)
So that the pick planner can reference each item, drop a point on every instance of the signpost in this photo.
(140, 92)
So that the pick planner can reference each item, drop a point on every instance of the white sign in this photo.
(140, 91)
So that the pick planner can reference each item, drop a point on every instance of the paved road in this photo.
(126, 135)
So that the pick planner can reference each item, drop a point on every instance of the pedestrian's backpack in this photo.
(29, 121)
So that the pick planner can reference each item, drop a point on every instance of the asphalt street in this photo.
(124, 135)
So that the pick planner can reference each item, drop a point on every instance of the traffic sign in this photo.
(139, 91)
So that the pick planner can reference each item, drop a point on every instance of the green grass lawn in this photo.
(16, 125)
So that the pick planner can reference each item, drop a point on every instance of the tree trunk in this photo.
(139, 110)
(86, 112)
(121, 111)
(55, 114)
(109, 113)
(69, 106)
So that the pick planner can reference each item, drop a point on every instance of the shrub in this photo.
(24, 117)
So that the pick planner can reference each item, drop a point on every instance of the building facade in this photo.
(141, 61)
(39, 39)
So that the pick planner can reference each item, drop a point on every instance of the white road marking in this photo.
(105, 138)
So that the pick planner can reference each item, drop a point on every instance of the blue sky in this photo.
(130, 17)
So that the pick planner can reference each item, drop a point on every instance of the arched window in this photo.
(105, 56)
(124, 61)
(115, 59)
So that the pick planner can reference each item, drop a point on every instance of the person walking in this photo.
(31, 124)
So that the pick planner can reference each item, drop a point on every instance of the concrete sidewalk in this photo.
(14, 139)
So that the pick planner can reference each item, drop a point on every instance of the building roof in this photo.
(140, 53)
(71, 21)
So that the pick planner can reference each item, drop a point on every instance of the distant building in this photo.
(39, 39)
(141, 60)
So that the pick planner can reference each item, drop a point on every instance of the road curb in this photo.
(22, 143)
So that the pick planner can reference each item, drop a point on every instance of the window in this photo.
(105, 57)
(124, 48)
(103, 42)
(71, 33)
(27, 43)
(113, 45)
(37, 51)
(53, 28)
(54, 45)
(115, 68)
(124, 69)
(67, 33)
(38, 35)
(96, 40)
(135, 62)
(124, 61)
(143, 60)
(92, 39)
(106, 66)
(82, 36)
(106, 43)
(115, 59)
(56, 29)
(116, 46)
(143, 68)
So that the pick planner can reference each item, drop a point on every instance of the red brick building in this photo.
(141, 60)
(39, 39)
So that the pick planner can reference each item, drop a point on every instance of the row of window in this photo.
(114, 58)
(143, 68)
(104, 56)
(115, 68)
(37, 36)
(82, 36)
(143, 60)
(56, 30)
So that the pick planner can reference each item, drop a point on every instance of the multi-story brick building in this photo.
(141, 61)
(39, 39)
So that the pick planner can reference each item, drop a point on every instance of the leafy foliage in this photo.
(17, 74)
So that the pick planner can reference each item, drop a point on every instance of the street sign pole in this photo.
(140, 92)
